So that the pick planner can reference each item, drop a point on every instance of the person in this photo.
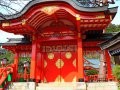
(4, 61)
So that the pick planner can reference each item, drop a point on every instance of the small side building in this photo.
(113, 46)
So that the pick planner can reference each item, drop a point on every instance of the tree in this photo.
(113, 28)
(9, 55)
(116, 72)
(91, 72)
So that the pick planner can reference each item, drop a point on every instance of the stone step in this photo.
(102, 86)
(21, 86)
(64, 86)
(61, 86)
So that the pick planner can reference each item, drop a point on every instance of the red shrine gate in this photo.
(58, 56)
(60, 66)
(58, 61)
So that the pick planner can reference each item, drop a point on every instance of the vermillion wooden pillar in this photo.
(16, 60)
(33, 58)
(80, 51)
(108, 65)
(38, 67)
(80, 61)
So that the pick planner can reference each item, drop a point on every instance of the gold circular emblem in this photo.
(68, 55)
(50, 55)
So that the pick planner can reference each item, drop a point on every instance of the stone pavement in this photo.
(64, 86)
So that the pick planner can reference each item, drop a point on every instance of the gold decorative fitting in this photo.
(78, 17)
(50, 55)
(23, 22)
(100, 16)
(68, 55)
(5, 24)
(74, 79)
(45, 64)
(110, 17)
(74, 63)
(59, 79)
(45, 80)
(50, 9)
(59, 63)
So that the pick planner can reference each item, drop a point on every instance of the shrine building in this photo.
(57, 35)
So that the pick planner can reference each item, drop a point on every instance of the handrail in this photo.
(4, 69)
(6, 73)
(95, 78)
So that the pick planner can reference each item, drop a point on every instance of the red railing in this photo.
(4, 72)
(95, 78)
(23, 76)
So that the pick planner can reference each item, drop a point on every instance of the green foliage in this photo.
(91, 72)
(22, 59)
(116, 72)
(113, 28)
(118, 85)
(20, 66)
(92, 55)
(9, 55)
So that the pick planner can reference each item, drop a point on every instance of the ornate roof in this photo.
(80, 5)
(111, 42)
(50, 15)
(94, 36)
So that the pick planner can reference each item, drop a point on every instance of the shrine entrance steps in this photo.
(63, 86)
(21, 86)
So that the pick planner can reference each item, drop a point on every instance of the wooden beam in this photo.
(27, 26)
(58, 38)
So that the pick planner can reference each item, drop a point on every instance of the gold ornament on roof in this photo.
(100, 16)
(50, 9)
(5, 24)
(78, 17)
(23, 22)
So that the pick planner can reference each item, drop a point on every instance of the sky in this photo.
(5, 35)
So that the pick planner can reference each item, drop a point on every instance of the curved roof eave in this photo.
(72, 3)
(109, 43)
